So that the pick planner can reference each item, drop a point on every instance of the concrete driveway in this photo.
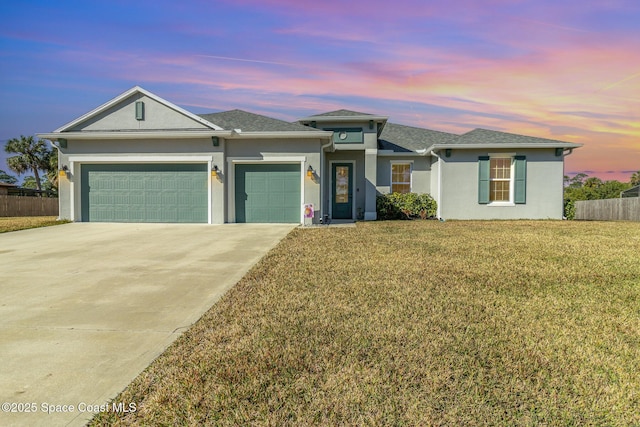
(84, 307)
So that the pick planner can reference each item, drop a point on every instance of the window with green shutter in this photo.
(520, 182)
(502, 180)
(483, 179)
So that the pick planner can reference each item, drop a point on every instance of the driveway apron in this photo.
(85, 307)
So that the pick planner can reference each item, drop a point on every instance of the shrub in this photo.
(570, 209)
(405, 206)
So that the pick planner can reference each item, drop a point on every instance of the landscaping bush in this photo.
(405, 206)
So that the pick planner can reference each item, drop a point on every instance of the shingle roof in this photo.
(401, 138)
(486, 136)
(250, 122)
(341, 113)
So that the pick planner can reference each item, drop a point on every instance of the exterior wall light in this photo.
(215, 171)
(309, 171)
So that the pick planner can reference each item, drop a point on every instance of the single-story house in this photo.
(140, 158)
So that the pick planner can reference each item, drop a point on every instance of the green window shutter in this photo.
(483, 179)
(520, 190)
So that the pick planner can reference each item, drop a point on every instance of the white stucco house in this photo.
(140, 158)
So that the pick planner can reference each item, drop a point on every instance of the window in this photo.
(401, 177)
(502, 179)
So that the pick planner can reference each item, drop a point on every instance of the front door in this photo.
(342, 197)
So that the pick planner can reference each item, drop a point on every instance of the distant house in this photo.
(4, 188)
(140, 158)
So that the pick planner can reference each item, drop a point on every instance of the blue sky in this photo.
(565, 70)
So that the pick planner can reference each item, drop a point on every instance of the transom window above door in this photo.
(400, 177)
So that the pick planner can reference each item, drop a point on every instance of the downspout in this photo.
(433, 153)
(322, 177)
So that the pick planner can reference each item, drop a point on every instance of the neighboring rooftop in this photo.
(250, 122)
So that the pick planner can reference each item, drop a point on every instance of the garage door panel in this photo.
(145, 192)
(268, 193)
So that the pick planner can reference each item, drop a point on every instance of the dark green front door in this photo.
(268, 192)
(342, 191)
(144, 192)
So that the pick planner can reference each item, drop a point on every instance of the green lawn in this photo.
(415, 323)
(25, 222)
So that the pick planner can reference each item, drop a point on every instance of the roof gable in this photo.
(251, 122)
(119, 114)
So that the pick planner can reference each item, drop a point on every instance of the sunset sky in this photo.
(567, 70)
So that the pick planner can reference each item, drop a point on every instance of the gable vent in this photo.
(139, 110)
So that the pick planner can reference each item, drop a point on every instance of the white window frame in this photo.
(400, 162)
(511, 201)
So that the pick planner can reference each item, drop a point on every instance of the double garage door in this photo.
(144, 192)
(178, 192)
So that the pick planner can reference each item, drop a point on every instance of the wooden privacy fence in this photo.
(28, 206)
(627, 209)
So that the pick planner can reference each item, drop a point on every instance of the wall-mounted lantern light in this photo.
(215, 140)
(447, 152)
(309, 171)
(215, 171)
(64, 170)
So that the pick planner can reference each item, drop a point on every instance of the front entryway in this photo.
(342, 191)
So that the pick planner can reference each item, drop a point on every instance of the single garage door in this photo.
(267, 192)
(144, 192)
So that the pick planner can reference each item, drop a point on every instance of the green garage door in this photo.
(144, 193)
(268, 193)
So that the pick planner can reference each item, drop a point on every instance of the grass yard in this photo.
(25, 222)
(415, 323)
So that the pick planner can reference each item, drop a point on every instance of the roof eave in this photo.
(343, 118)
(183, 134)
(283, 134)
(507, 145)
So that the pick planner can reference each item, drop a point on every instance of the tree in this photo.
(635, 179)
(5, 177)
(29, 182)
(52, 172)
(584, 187)
(32, 155)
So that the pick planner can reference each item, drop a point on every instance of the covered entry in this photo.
(268, 192)
(147, 192)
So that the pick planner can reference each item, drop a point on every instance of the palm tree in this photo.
(32, 156)
(52, 170)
